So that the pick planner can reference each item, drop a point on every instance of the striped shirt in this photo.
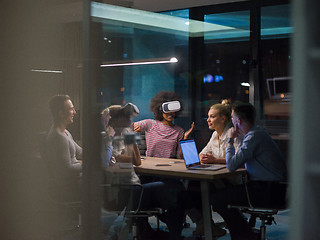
(162, 140)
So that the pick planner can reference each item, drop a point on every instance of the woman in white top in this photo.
(219, 119)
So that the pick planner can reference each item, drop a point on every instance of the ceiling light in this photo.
(46, 71)
(245, 84)
(139, 62)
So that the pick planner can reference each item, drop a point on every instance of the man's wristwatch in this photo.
(229, 140)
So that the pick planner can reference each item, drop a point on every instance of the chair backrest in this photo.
(142, 144)
(118, 192)
(42, 141)
(278, 199)
(65, 190)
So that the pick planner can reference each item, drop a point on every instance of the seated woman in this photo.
(155, 194)
(219, 119)
(162, 135)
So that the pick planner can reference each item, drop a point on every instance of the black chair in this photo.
(142, 144)
(264, 214)
(132, 213)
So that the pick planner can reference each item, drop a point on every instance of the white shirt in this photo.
(217, 146)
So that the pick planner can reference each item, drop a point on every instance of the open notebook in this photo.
(191, 157)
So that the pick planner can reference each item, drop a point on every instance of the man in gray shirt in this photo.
(62, 152)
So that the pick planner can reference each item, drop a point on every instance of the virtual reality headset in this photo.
(173, 106)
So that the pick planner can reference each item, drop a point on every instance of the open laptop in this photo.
(191, 157)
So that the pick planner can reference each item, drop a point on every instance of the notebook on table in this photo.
(191, 157)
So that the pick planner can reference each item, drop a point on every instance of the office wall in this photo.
(31, 38)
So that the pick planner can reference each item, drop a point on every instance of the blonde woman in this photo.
(219, 120)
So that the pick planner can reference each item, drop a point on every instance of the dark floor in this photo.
(278, 231)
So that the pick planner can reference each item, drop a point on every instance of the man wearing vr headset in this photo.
(162, 135)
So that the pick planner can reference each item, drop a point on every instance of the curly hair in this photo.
(159, 99)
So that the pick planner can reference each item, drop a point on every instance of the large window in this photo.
(214, 60)
(225, 70)
(226, 58)
(139, 42)
(102, 54)
(275, 79)
(276, 31)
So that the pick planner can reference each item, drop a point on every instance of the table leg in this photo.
(206, 209)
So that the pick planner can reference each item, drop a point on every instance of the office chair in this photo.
(265, 214)
(142, 145)
(112, 200)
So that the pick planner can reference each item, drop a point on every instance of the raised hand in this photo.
(187, 133)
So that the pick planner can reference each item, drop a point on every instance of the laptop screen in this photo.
(189, 151)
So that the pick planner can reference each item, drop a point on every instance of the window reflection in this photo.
(276, 31)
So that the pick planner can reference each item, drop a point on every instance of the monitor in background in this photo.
(279, 88)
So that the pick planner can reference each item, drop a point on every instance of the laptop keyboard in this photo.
(202, 166)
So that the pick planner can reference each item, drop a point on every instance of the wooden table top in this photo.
(176, 168)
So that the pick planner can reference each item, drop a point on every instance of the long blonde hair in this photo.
(224, 109)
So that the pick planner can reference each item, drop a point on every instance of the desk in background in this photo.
(175, 168)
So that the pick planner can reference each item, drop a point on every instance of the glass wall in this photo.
(102, 55)
(276, 32)
(137, 45)
(214, 60)
(142, 53)
(225, 72)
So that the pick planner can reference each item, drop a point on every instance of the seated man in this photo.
(266, 170)
(62, 152)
